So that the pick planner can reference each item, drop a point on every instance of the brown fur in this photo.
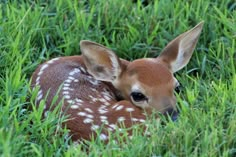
(92, 84)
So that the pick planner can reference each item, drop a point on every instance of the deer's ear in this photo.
(101, 62)
(179, 51)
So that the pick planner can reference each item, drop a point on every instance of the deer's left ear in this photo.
(101, 62)
(179, 51)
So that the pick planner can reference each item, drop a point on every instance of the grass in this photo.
(32, 32)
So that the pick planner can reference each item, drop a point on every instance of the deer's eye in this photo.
(138, 97)
(178, 88)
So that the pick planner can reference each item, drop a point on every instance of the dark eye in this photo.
(178, 88)
(137, 96)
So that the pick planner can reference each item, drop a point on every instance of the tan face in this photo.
(148, 83)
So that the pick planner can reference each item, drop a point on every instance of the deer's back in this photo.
(89, 103)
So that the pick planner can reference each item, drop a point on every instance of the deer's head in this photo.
(146, 82)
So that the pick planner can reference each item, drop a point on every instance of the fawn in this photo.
(100, 90)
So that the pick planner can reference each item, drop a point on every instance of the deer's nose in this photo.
(172, 113)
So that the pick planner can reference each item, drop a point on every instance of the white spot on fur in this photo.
(89, 116)
(76, 80)
(68, 81)
(102, 106)
(88, 110)
(134, 119)
(37, 81)
(142, 120)
(44, 67)
(94, 127)
(87, 120)
(106, 93)
(113, 107)
(50, 62)
(110, 129)
(40, 73)
(119, 107)
(93, 98)
(129, 109)
(121, 119)
(74, 71)
(74, 106)
(65, 92)
(40, 95)
(66, 85)
(79, 104)
(107, 97)
(103, 117)
(66, 88)
(103, 100)
(67, 96)
(82, 114)
(78, 100)
(107, 103)
(53, 60)
(104, 121)
(70, 101)
(38, 78)
(113, 126)
(93, 89)
(103, 137)
(40, 92)
(102, 111)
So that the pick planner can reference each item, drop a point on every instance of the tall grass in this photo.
(32, 32)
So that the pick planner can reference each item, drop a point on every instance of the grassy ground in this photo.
(32, 32)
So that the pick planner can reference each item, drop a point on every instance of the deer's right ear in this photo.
(179, 51)
(101, 62)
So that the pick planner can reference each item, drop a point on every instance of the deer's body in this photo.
(90, 86)
(92, 104)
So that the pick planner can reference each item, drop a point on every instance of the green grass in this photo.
(32, 32)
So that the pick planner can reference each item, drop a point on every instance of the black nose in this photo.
(172, 113)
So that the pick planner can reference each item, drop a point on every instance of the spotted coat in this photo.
(91, 104)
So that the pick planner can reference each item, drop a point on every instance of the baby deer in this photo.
(101, 91)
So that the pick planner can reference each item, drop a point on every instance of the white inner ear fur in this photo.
(178, 63)
(187, 43)
(185, 50)
(115, 65)
(111, 69)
